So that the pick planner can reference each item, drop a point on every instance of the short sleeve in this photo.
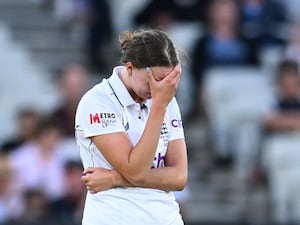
(176, 127)
(97, 115)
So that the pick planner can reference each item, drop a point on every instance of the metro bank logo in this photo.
(102, 117)
(94, 118)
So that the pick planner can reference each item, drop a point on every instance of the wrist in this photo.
(116, 180)
(158, 107)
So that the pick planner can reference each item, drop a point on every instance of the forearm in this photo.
(166, 179)
(141, 157)
(162, 92)
(282, 123)
(135, 161)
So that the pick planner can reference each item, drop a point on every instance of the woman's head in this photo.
(288, 79)
(223, 13)
(146, 48)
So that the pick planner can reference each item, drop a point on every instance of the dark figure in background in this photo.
(72, 82)
(69, 208)
(222, 43)
(284, 116)
(38, 164)
(165, 12)
(28, 121)
(36, 209)
(99, 32)
(280, 152)
(262, 19)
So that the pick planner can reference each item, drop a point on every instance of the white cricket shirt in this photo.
(107, 108)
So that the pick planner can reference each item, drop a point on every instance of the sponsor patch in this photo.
(103, 118)
(164, 134)
(176, 123)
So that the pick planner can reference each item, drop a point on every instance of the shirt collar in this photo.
(120, 89)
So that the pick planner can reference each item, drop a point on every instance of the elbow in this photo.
(137, 179)
(180, 187)
(181, 183)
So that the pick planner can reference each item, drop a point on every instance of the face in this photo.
(224, 12)
(140, 82)
(50, 138)
(6, 175)
(74, 185)
(74, 83)
(289, 85)
(29, 123)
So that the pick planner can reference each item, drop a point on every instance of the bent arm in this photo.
(134, 162)
(172, 177)
(283, 122)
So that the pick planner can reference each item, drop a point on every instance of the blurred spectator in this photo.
(280, 151)
(164, 13)
(90, 23)
(36, 210)
(37, 165)
(73, 82)
(263, 19)
(99, 26)
(28, 121)
(222, 44)
(69, 12)
(293, 45)
(292, 7)
(10, 201)
(285, 114)
(69, 208)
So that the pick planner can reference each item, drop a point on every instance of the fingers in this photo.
(92, 190)
(174, 76)
(178, 68)
(150, 74)
(89, 185)
(89, 170)
(176, 72)
(95, 179)
(86, 177)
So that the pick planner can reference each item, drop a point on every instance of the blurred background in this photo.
(239, 98)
